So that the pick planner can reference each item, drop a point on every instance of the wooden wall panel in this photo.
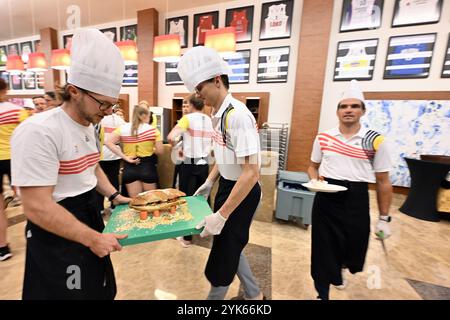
(49, 41)
(311, 65)
(147, 69)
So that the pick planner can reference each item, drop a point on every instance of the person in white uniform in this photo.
(350, 156)
(237, 154)
(55, 159)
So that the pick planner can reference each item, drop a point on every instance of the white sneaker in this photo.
(344, 282)
(184, 243)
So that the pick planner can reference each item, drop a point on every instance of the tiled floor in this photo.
(417, 265)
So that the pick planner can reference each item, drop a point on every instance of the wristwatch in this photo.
(113, 196)
(385, 218)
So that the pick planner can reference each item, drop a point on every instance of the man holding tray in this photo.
(349, 156)
(55, 163)
(237, 154)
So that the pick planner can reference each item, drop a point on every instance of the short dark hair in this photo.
(363, 105)
(3, 84)
(63, 92)
(195, 102)
(51, 94)
(36, 97)
(225, 81)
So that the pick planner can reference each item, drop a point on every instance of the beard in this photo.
(82, 110)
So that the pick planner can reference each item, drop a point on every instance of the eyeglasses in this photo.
(103, 105)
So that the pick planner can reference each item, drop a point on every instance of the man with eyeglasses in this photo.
(350, 156)
(55, 163)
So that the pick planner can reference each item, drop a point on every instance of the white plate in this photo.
(324, 188)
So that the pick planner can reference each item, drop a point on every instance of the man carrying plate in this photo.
(349, 156)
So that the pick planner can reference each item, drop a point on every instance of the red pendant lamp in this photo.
(223, 40)
(37, 62)
(14, 64)
(128, 51)
(60, 59)
(166, 48)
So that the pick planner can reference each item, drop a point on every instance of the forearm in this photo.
(104, 186)
(241, 189)
(313, 172)
(384, 196)
(115, 149)
(214, 174)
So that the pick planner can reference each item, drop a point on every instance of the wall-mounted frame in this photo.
(110, 33)
(240, 66)
(242, 20)
(128, 32)
(37, 45)
(40, 80)
(414, 12)
(130, 77)
(355, 60)
(172, 76)
(276, 20)
(5, 76)
(409, 56)
(180, 26)
(361, 15)
(67, 41)
(26, 48)
(202, 23)
(3, 56)
(15, 82)
(446, 66)
(13, 49)
(273, 64)
(29, 80)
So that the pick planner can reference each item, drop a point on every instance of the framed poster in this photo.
(172, 76)
(179, 25)
(37, 45)
(355, 60)
(276, 20)
(130, 77)
(361, 15)
(15, 82)
(128, 32)
(413, 12)
(67, 41)
(26, 48)
(273, 64)
(13, 49)
(40, 79)
(242, 20)
(409, 56)
(5, 76)
(446, 67)
(240, 67)
(3, 56)
(110, 33)
(202, 23)
(29, 80)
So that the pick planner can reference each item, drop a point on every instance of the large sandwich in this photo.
(158, 200)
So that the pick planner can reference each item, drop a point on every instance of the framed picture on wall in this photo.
(37, 45)
(413, 12)
(130, 77)
(273, 64)
(276, 20)
(15, 82)
(13, 49)
(446, 67)
(240, 66)
(172, 76)
(26, 48)
(409, 56)
(110, 33)
(242, 20)
(355, 60)
(29, 80)
(128, 32)
(361, 15)
(40, 79)
(5, 76)
(3, 56)
(67, 41)
(204, 22)
(179, 25)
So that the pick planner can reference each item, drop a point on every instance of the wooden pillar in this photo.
(311, 66)
(49, 41)
(147, 69)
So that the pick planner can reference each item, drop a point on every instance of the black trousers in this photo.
(111, 169)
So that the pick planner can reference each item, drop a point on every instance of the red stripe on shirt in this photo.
(351, 155)
(109, 130)
(79, 169)
(338, 147)
(343, 146)
(200, 133)
(6, 113)
(340, 142)
(68, 164)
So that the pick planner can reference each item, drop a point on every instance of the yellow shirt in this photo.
(11, 116)
(141, 145)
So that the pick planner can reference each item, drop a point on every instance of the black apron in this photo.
(53, 263)
(223, 260)
(340, 232)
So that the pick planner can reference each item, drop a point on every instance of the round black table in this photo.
(426, 177)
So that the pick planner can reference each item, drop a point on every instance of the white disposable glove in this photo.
(205, 189)
(213, 224)
(382, 230)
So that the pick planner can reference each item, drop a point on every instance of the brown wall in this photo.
(311, 65)
(49, 41)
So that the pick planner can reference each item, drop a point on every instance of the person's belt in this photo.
(193, 160)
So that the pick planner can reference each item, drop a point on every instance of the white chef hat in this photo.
(97, 64)
(353, 92)
(199, 64)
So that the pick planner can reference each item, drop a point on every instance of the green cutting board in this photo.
(198, 207)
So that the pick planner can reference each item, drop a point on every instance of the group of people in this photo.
(59, 164)
(46, 102)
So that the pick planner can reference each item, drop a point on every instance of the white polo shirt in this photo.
(346, 159)
(51, 149)
(242, 139)
(109, 124)
(197, 135)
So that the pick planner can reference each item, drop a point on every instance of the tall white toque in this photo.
(353, 92)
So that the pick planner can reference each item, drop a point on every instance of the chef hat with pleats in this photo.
(97, 64)
(353, 92)
(199, 64)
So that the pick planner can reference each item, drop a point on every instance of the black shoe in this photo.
(5, 253)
